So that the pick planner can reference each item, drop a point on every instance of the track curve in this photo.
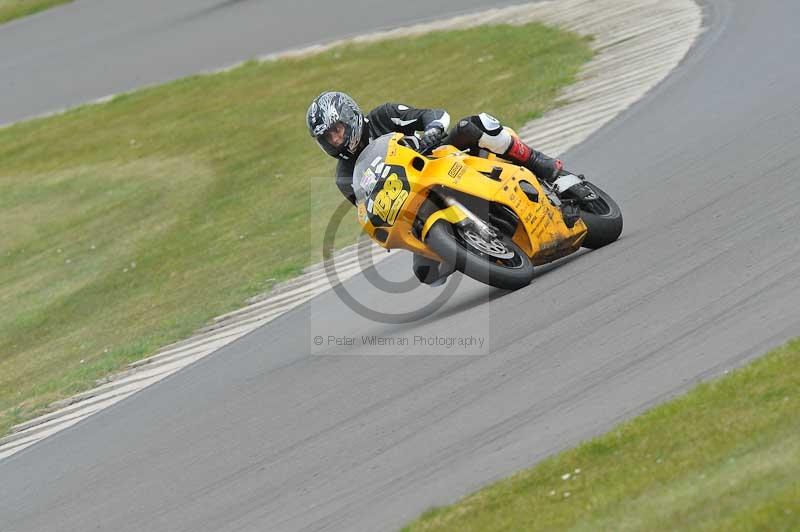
(264, 436)
(90, 49)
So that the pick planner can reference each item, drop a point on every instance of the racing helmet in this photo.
(330, 109)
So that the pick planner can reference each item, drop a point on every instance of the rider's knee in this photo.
(487, 123)
(480, 131)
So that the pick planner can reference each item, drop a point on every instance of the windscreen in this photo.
(370, 167)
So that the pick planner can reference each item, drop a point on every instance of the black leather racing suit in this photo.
(388, 118)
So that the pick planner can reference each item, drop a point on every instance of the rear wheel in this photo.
(497, 262)
(599, 212)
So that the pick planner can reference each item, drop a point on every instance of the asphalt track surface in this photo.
(264, 435)
(93, 48)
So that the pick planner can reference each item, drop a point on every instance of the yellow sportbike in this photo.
(486, 217)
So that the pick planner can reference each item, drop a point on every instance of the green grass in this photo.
(724, 457)
(128, 225)
(11, 9)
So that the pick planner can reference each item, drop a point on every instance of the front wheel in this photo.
(497, 262)
(600, 213)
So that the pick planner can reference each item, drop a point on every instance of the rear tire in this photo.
(509, 268)
(602, 217)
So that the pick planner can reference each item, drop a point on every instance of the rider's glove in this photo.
(431, 138)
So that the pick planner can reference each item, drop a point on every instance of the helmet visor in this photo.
(336, 139)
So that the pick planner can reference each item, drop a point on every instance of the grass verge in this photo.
(11, 9)
(725, 457)
(128, 225)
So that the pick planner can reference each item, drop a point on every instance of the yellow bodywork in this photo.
(542, 233)
(453, 214)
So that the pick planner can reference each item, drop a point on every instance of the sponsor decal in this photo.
(456, 172)
(368, 181)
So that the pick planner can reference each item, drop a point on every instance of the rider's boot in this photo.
(541, 165)
(550, 170)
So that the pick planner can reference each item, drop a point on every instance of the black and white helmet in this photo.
(328, 109)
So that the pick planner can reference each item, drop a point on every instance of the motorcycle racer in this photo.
(336, 122)
(340, 128)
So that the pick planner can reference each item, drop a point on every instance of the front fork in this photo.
(457, 214)
(486, 232)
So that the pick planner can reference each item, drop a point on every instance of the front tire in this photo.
(499, 263)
